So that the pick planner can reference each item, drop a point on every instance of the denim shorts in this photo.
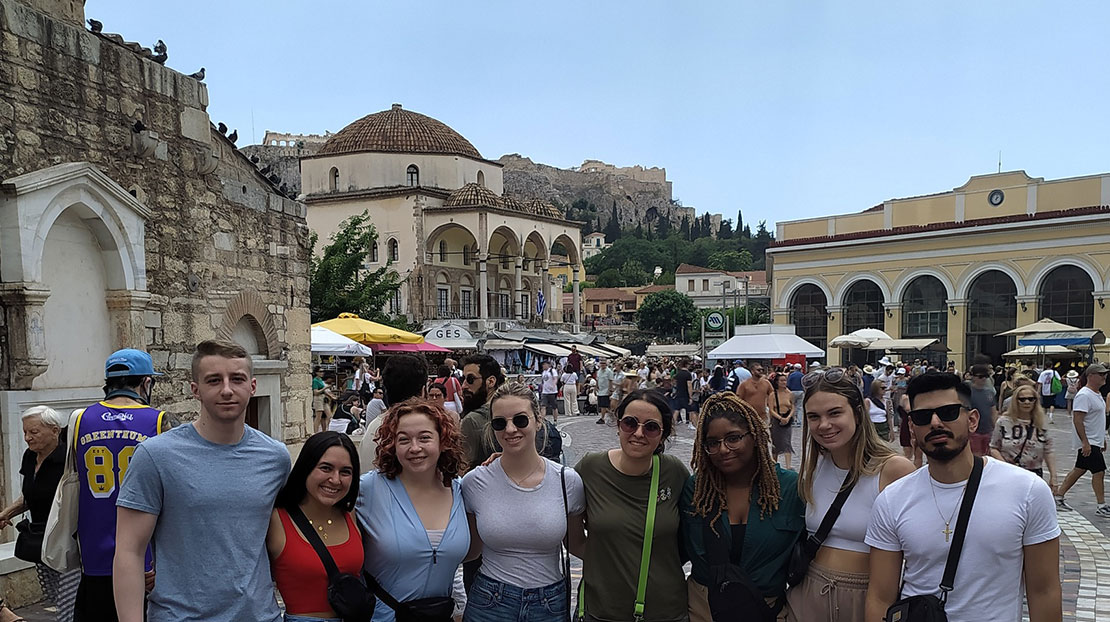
(490, 600)
(295, 618)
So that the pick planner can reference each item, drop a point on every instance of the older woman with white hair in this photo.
(42, 467)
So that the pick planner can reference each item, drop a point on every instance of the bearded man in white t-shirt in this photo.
(1089, 416)
(1012, 532)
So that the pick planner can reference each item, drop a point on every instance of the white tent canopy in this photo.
(1052, 351)
(677, 349)
(326, 341)
(765, 346)
(895, 345)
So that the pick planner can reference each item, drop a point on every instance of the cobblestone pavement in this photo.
(1084, 547)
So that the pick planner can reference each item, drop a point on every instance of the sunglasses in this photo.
(651, 428)
(732, 442)
(471, 379)
(980, 375)
(521, 421)
(948, 412)
(833, 374)
(1026, 399)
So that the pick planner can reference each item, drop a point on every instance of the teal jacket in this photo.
(767, 541)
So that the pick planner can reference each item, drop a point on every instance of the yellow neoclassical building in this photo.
(465, 251)
(961, 266)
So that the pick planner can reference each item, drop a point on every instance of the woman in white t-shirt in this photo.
(518, 519)
(570, 391)
(840, 446)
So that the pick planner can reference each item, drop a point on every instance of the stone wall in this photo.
(219, 236)
(637, 201)
(654, 174)
(282, 154)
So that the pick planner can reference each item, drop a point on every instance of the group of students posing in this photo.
(228, 517)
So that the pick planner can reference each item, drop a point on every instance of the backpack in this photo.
(1057, 386)
(550, 447)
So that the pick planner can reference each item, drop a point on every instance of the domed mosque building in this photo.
(466, 253)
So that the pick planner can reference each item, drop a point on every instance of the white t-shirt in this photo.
(1013, 508)
(1091, 403)
(550, 382)
(569, 379)
(1046, 380)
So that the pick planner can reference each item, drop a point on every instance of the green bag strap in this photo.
(645, 555)
(649, 532)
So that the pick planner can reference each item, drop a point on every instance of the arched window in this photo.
(394, 251)
(374, 252)
(925, 313)
(443, 251)
(863, 306)
(466, 254)
(1066, 296)
(414, 175)
(808, 314)
(481, 179)
(333, 179)
(991, 309)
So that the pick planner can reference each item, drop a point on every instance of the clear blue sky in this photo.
(782, 109)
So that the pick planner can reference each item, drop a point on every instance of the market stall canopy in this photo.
(1050, 351)
(617, 350)
(548, 349)
(502, 344)
(896, 345)
(590, 350)
(870, 334)
(452, 337)
(765, 346)
(677, 349)
(849, 341)
(1046, 325)
(408, 347)
(366, 332)
(326, 341)
(1082, 338)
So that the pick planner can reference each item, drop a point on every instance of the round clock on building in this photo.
(996, 197)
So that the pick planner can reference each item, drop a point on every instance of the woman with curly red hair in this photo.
(411, 505)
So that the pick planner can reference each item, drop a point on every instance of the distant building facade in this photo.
(712, 289)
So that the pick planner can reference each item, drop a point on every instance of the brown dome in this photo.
(398, 131)
(473, 195)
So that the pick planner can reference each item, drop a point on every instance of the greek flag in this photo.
(541, 303)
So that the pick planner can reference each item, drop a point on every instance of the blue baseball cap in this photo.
(129, 362)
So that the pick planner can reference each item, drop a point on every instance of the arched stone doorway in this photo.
(1067, 297)
(991, 309)
(809, 315)
(862, 308)
(925, 314)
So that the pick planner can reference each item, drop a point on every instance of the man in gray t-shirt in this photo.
(983, 399)
(202, 493)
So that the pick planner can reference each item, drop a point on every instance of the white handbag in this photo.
(59, 544)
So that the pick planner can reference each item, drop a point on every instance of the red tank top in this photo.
(300, 574)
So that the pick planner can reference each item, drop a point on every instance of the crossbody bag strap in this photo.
(831, 515)
(301, 521)
(946, 582)
(649, 532)
(717, 554)
(382, 595)
(566, 536)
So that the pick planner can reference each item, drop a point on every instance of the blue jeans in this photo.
(295, 618)
(490, 600)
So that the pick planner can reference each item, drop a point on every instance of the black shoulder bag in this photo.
(566, 540)
(347, 594)
(430, 609)
(929, 607)
(805, 549)
(731, 591)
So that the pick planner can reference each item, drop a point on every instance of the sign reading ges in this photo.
(450, 332)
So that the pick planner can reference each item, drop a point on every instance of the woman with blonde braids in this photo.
(840, 447)
(750, 503)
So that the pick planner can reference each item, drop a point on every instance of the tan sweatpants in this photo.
(698, 599)
(829, 595)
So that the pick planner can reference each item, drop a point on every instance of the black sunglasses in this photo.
(630, 424)
(1026, 399)
(948, 412)
(521, 421)
(470, 378)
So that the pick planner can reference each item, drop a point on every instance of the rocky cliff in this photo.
(638, 201)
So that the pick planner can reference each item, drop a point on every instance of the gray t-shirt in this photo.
(522, 528)
(983, 400)
(213, 504)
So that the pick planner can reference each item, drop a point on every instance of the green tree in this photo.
(740, 226)
(633, 274)
(663, 227)
(725, 232)
(730, 260)
(666, 314)
(684, 228)
(667, 278)
(610, 278)
(339, 281)
(613, 227)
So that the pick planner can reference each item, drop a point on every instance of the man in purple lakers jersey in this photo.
(105, 435)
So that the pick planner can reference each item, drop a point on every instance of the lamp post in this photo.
(725, 284)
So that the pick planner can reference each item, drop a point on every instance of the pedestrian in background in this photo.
(569, 380)
(1021, 438)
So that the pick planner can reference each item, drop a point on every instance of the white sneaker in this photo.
(1103, 511)
(690, 425)
(1063, 506)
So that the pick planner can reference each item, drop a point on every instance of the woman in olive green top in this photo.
(617, 484)
(751, 503)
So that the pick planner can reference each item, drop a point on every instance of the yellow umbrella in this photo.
(363, 331)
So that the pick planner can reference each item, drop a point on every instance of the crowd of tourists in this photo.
(447, 513)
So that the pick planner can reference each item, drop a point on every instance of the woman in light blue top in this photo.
(411, 505)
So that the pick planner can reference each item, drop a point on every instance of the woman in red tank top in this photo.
(321, 484)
